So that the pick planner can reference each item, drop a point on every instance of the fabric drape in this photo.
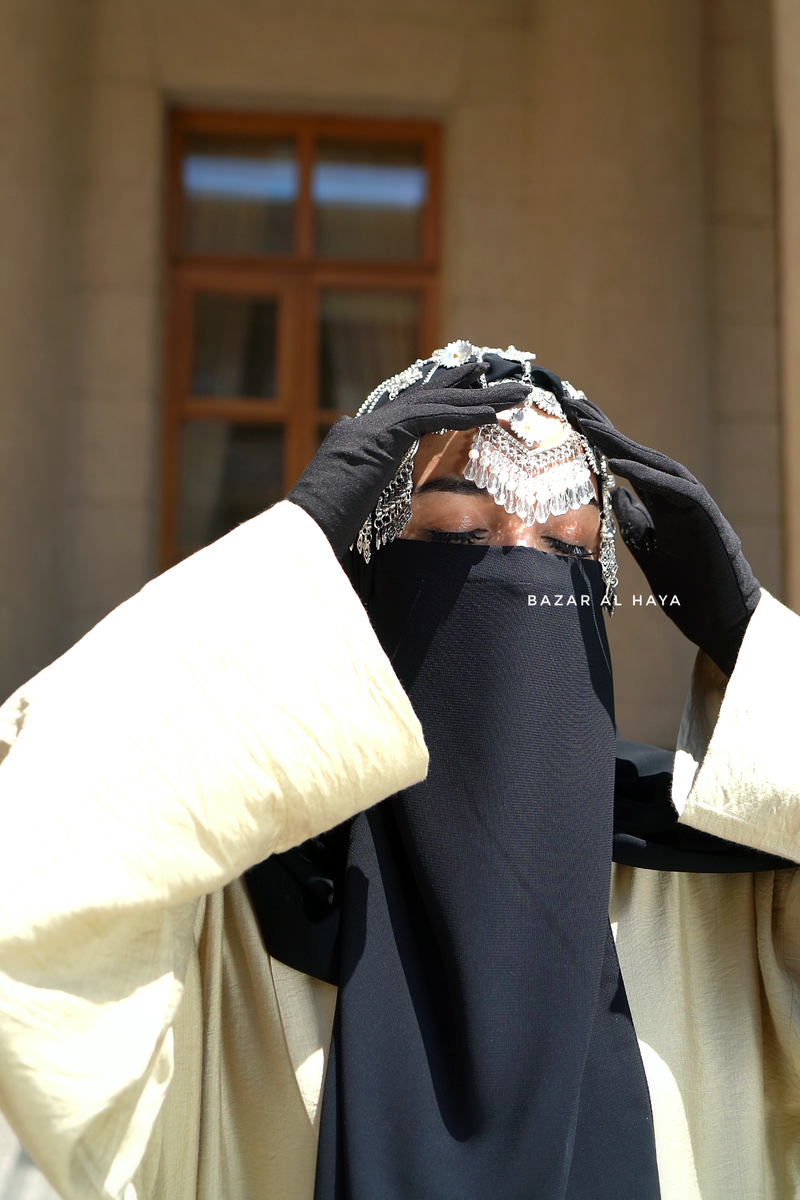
(239, 704)
(481, 1012)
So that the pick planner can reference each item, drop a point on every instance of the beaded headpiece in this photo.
(520, 474)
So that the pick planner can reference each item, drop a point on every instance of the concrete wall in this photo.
(618, 263)
(583, 218)
(746, 464)
(786, 39)
(41, 115)
(111, 455)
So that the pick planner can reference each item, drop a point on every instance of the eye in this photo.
(451, 537)
(559, 547)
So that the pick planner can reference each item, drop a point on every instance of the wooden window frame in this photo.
(297, 277)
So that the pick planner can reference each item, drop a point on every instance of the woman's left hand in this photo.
(678, 536)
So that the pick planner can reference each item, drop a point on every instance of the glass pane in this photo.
(364, 337)
(368, 198)
(234, 348)
(228, 473)
(239, 194)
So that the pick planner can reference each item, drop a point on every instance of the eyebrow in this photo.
(450, 483)
(459, 487)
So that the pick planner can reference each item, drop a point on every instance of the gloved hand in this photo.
(678, 537)
(360, 456)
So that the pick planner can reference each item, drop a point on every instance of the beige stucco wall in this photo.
(746, 463)
(619, 261)
(40, 146)
(786, 39)
(111, 451)
(580, 206)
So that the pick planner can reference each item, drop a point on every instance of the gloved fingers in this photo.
(425, 419)
(493, 400)
(660, 497)
(579, 409)
(498, 397)
(459, 377)
(463, 376)
(614, 444)
(601, 433)
(634, 521)
(680, 490)
(605, 437)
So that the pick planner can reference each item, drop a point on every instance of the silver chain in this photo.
(392, 512)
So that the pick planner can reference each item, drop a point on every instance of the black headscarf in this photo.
(646, 829)
(483, 1045)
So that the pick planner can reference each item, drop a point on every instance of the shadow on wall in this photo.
(19, 1178)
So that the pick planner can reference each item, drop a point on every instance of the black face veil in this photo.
(483, 1045)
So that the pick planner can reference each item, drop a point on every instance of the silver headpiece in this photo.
(534, 482)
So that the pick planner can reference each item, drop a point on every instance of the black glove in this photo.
(360, 456)
(679, 538)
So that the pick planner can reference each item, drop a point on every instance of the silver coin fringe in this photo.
(532, 483)
(392, 512)
(537, 484)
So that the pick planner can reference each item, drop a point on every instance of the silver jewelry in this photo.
(454, 354)
(522, 424)
(392, 512)
(608, 541)
(535, 484)
(391, 388)
(532, 482)
(608, 527)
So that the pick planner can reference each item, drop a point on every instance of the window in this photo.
(302, 268)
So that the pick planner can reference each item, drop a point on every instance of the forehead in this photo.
(441, 454)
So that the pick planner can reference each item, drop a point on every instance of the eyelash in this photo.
(567, 548)
(474, 537)
(469, 537)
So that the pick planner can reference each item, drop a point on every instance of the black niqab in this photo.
(483, 1045)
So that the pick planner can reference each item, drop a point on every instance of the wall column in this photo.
(40, 95)
(618, 268)
(786, 40)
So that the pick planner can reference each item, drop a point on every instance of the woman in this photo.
(483, 1043)
(482, 1033)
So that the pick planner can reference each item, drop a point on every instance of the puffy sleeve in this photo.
(239, 704)
(711, 961)
(737, 767)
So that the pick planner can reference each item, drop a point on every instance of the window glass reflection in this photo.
(234, 349)
(228, 474)
(368, 198)
(240, 195)
(364, 337)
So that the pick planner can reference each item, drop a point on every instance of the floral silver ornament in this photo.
(454, 354)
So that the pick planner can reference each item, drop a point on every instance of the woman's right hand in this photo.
(360, 456)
